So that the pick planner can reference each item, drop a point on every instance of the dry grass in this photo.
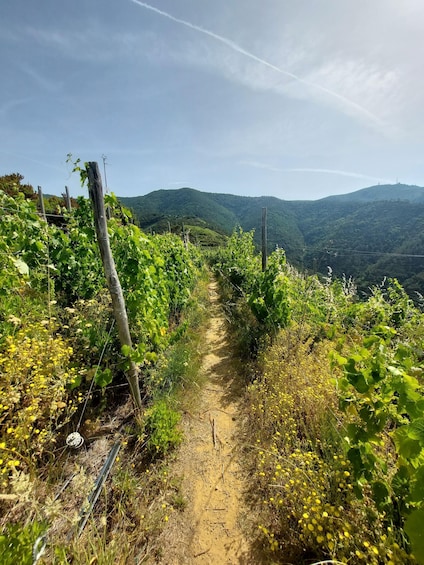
(303, 479)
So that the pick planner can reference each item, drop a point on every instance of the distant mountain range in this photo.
(368, 234)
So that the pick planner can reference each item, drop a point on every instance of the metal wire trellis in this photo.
(93, 380)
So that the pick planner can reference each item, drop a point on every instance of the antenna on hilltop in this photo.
(104, 159)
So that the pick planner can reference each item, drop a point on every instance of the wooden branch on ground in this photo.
(212, 421)
(202, 553)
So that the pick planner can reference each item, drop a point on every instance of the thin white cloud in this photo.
(8, 106)
(235, 47)
(93, 45)
(319, 171)
(340, 173)
(41, 80)
(37, 161)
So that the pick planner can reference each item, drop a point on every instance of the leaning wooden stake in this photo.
(67, 199)
(118, 302)
(41, 203)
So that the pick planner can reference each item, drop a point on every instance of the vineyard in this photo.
(61, 365)
(332, 381)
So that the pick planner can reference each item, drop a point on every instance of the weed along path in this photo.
(212, 528)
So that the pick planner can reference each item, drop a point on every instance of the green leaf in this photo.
(126, 350)
(21, 266)
(151, 357)
(395, 371)
(354, 456)
(407, 447)
(414, 528)
(401, 480)
(403, 352)
(104, 378)
(358, 381)
(417, 488)
(357, 433)
(370, 341)
(380, 494)
(415, 430)
(339, 359)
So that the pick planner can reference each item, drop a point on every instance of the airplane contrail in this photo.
(239, 49)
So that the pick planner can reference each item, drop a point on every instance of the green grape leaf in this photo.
(21, 266)
(126, 350)
(417, 488)
(338, 359)
(151, 357)
(104, 378)
(414, 527)
(358, 381)
(401, 480)
(407, 447)
(415, 430)
(354, 456)
(380, 494)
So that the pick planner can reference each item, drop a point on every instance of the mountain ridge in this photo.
(367, 234)
(383, 192)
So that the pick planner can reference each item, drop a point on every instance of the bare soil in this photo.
(214, 526)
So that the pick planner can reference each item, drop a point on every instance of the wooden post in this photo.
(264, 239)
(118, 303)
(41, 202)
(67, 199)
(184, 236)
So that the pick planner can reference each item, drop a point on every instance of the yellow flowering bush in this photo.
(34, 375)
(294, 395)
(309, 508)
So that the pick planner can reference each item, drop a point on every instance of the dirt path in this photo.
(211, 529)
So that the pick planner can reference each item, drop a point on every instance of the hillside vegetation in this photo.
(368, 234)
(336, 403)
(62, 372)
(333, 402)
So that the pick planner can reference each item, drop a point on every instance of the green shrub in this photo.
(161, 426)
(18, 543)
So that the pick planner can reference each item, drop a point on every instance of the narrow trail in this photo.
(212, 529)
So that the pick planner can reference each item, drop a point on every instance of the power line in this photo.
(336, 252)
(381, 253)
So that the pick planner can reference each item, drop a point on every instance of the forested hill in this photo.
(372, 233)
(391, 192)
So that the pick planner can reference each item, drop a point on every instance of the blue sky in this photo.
(297, 99)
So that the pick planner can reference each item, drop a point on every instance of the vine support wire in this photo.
(93, 380)
(75, 439)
